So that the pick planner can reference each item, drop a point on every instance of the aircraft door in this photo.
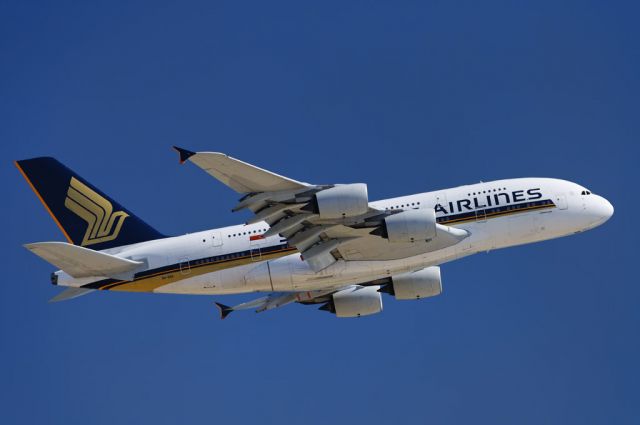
(185, 267)
(561, 201)
(254, 249)
(481, 216)
(441, 199)
(216, 239)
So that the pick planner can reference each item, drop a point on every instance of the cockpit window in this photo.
(585, 192)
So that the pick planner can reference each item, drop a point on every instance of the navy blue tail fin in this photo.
(86, 216)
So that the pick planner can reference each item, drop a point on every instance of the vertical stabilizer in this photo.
(86, 216)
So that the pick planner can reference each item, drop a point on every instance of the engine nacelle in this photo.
(356, 301)
(411, 225)
(347, 200)
(421, 284)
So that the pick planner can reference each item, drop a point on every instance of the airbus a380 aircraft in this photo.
(306, 243)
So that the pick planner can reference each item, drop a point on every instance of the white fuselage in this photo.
(236, 259)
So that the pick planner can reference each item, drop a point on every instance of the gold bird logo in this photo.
(103, 224)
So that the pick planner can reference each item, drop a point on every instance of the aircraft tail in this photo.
(86, 216)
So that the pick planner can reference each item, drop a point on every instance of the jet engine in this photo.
(355, 302)
(410, 225)
(421, 284)
(347, 200)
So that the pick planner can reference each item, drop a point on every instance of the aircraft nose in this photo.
(603, 209)
(608, 209)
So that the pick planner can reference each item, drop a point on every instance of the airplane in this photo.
(316, 244)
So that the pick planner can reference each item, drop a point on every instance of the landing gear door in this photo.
(561, 202)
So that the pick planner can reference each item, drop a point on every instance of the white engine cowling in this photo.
(411, 225)
(347, 200)
(357, 301)
(421, 284)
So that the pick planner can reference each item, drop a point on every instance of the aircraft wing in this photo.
(278, 299)
(325, 222)
(238, 175)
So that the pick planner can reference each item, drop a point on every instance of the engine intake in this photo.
(421, 284)
(410, 225)
(355, 302)
(347, 200)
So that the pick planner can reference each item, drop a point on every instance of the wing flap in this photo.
(80, 262)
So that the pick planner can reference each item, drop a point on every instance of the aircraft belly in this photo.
(290, 273)
(374, 248)
(228, 281)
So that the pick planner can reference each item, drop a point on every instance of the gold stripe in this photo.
(151, 282)
(497, 213)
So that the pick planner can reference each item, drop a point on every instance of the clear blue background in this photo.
(406, 96)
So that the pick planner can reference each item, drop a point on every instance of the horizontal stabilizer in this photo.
(70, 293)
(84, 262)
(238, 175)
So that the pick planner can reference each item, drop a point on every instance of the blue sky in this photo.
(407, 97)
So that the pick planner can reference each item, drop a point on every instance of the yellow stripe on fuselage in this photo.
(497, 214)
(153, 281)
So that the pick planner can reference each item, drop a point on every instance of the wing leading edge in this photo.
(238, 175)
